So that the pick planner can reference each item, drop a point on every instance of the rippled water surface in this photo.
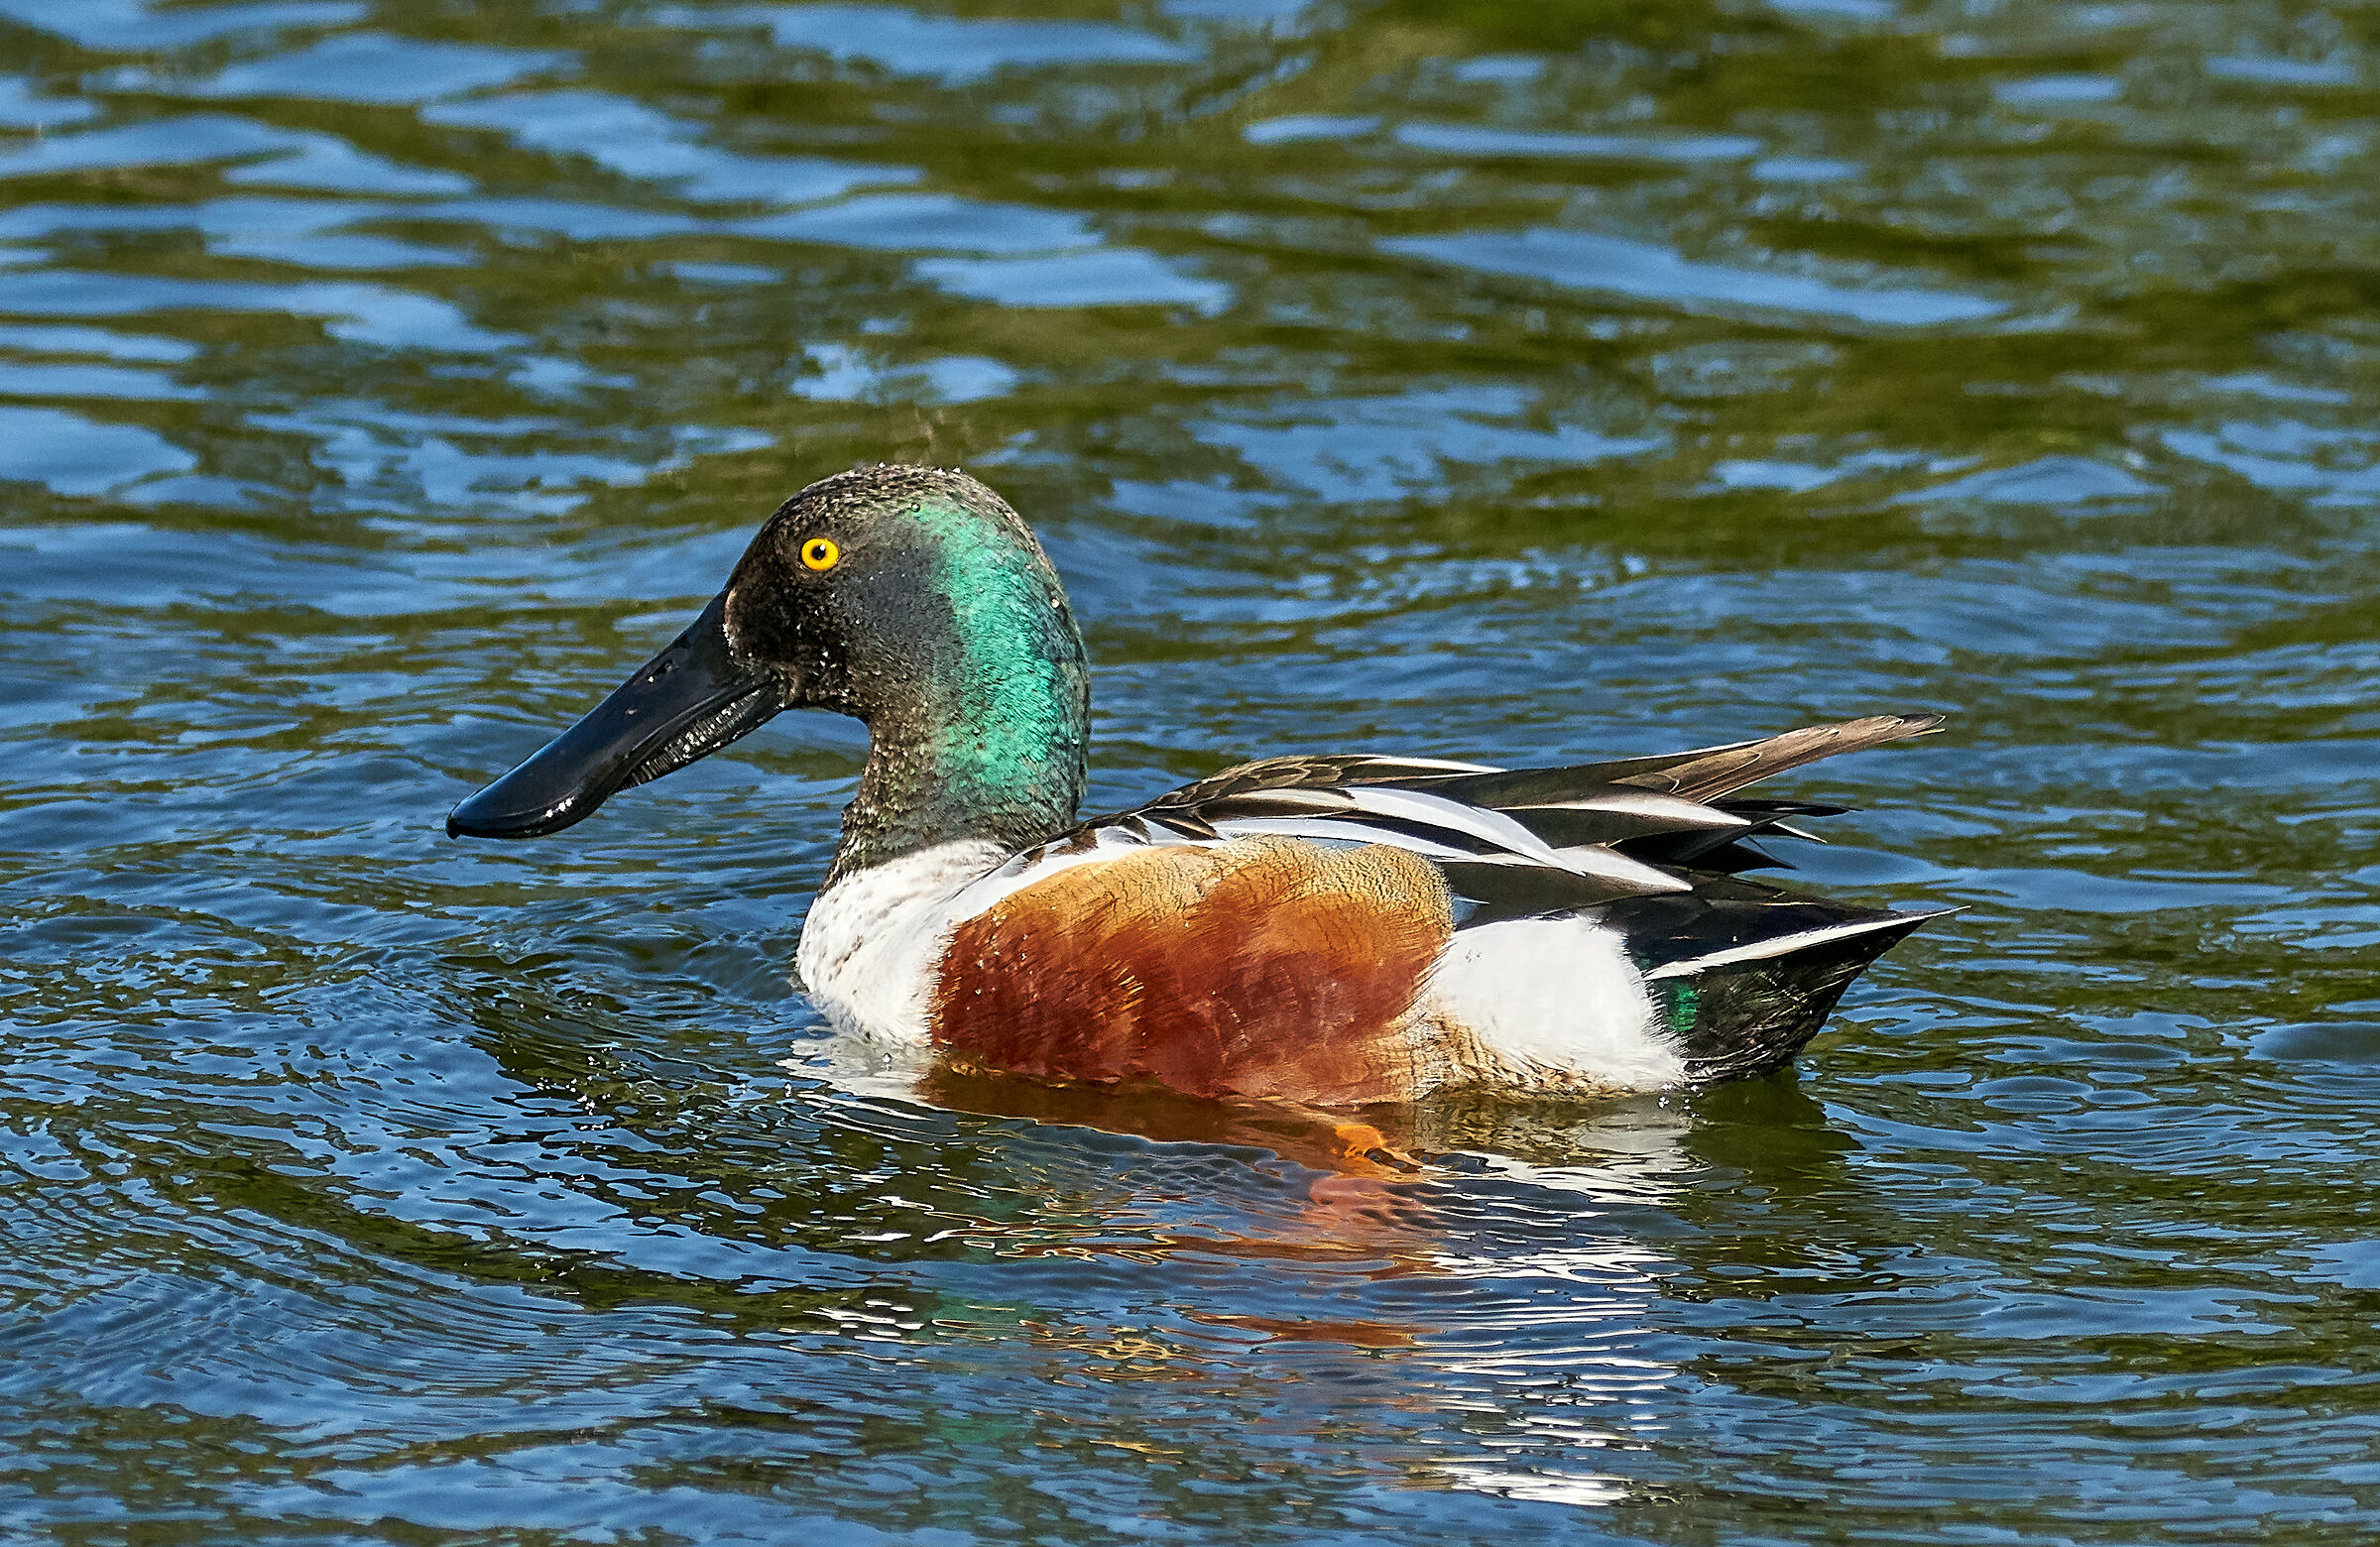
(378, 381)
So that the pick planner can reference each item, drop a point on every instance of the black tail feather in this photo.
(1748, 972)
(1763, 1013)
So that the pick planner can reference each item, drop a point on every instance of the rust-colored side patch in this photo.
(1262, 967)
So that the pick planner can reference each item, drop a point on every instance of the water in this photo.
(378, 381)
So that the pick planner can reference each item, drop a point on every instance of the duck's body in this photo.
(1334, 930)
(1337, 931)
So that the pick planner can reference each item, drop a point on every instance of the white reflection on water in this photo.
(21, 109)
(376, 67)
(1111, 277)
(95, 341)
(1299, 127)
(956, 48)
(1520, 1323)
(1381, 448)
(141, 23)
(365, 313)
(1584, 260)
(848, 375)
(637, 142)
(287, 158)
(1472, 140)
(928, 223)
(76, 455)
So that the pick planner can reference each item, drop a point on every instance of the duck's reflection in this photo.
(1346, 1144)
(1505, 1257)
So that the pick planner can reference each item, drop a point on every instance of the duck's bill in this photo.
(688, 701)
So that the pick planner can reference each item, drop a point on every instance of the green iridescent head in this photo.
(912, 599)
(919, 602)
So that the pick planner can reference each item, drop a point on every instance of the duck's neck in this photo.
(930, 783)
(980, 729)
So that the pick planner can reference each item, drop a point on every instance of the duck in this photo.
(1325, 931)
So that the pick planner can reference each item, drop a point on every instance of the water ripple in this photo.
(379, 383)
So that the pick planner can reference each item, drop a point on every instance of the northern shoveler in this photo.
(1324, 930)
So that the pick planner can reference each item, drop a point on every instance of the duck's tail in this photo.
(1747, 973)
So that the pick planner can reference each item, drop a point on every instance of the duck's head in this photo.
(910, 598)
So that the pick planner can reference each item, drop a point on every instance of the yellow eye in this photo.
(822, 553)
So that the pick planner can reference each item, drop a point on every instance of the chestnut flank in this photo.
(1263, 966)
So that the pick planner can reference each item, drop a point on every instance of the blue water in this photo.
(380, 381)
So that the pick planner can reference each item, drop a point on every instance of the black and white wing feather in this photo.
(1514, 841)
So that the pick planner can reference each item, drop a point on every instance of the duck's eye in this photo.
(820, 554)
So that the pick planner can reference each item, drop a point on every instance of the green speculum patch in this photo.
(1682, 1004)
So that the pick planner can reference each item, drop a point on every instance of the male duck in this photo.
(1328, 930)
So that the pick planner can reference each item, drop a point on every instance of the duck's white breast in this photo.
(871, 945)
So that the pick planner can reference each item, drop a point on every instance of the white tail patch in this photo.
(1549, 1004)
